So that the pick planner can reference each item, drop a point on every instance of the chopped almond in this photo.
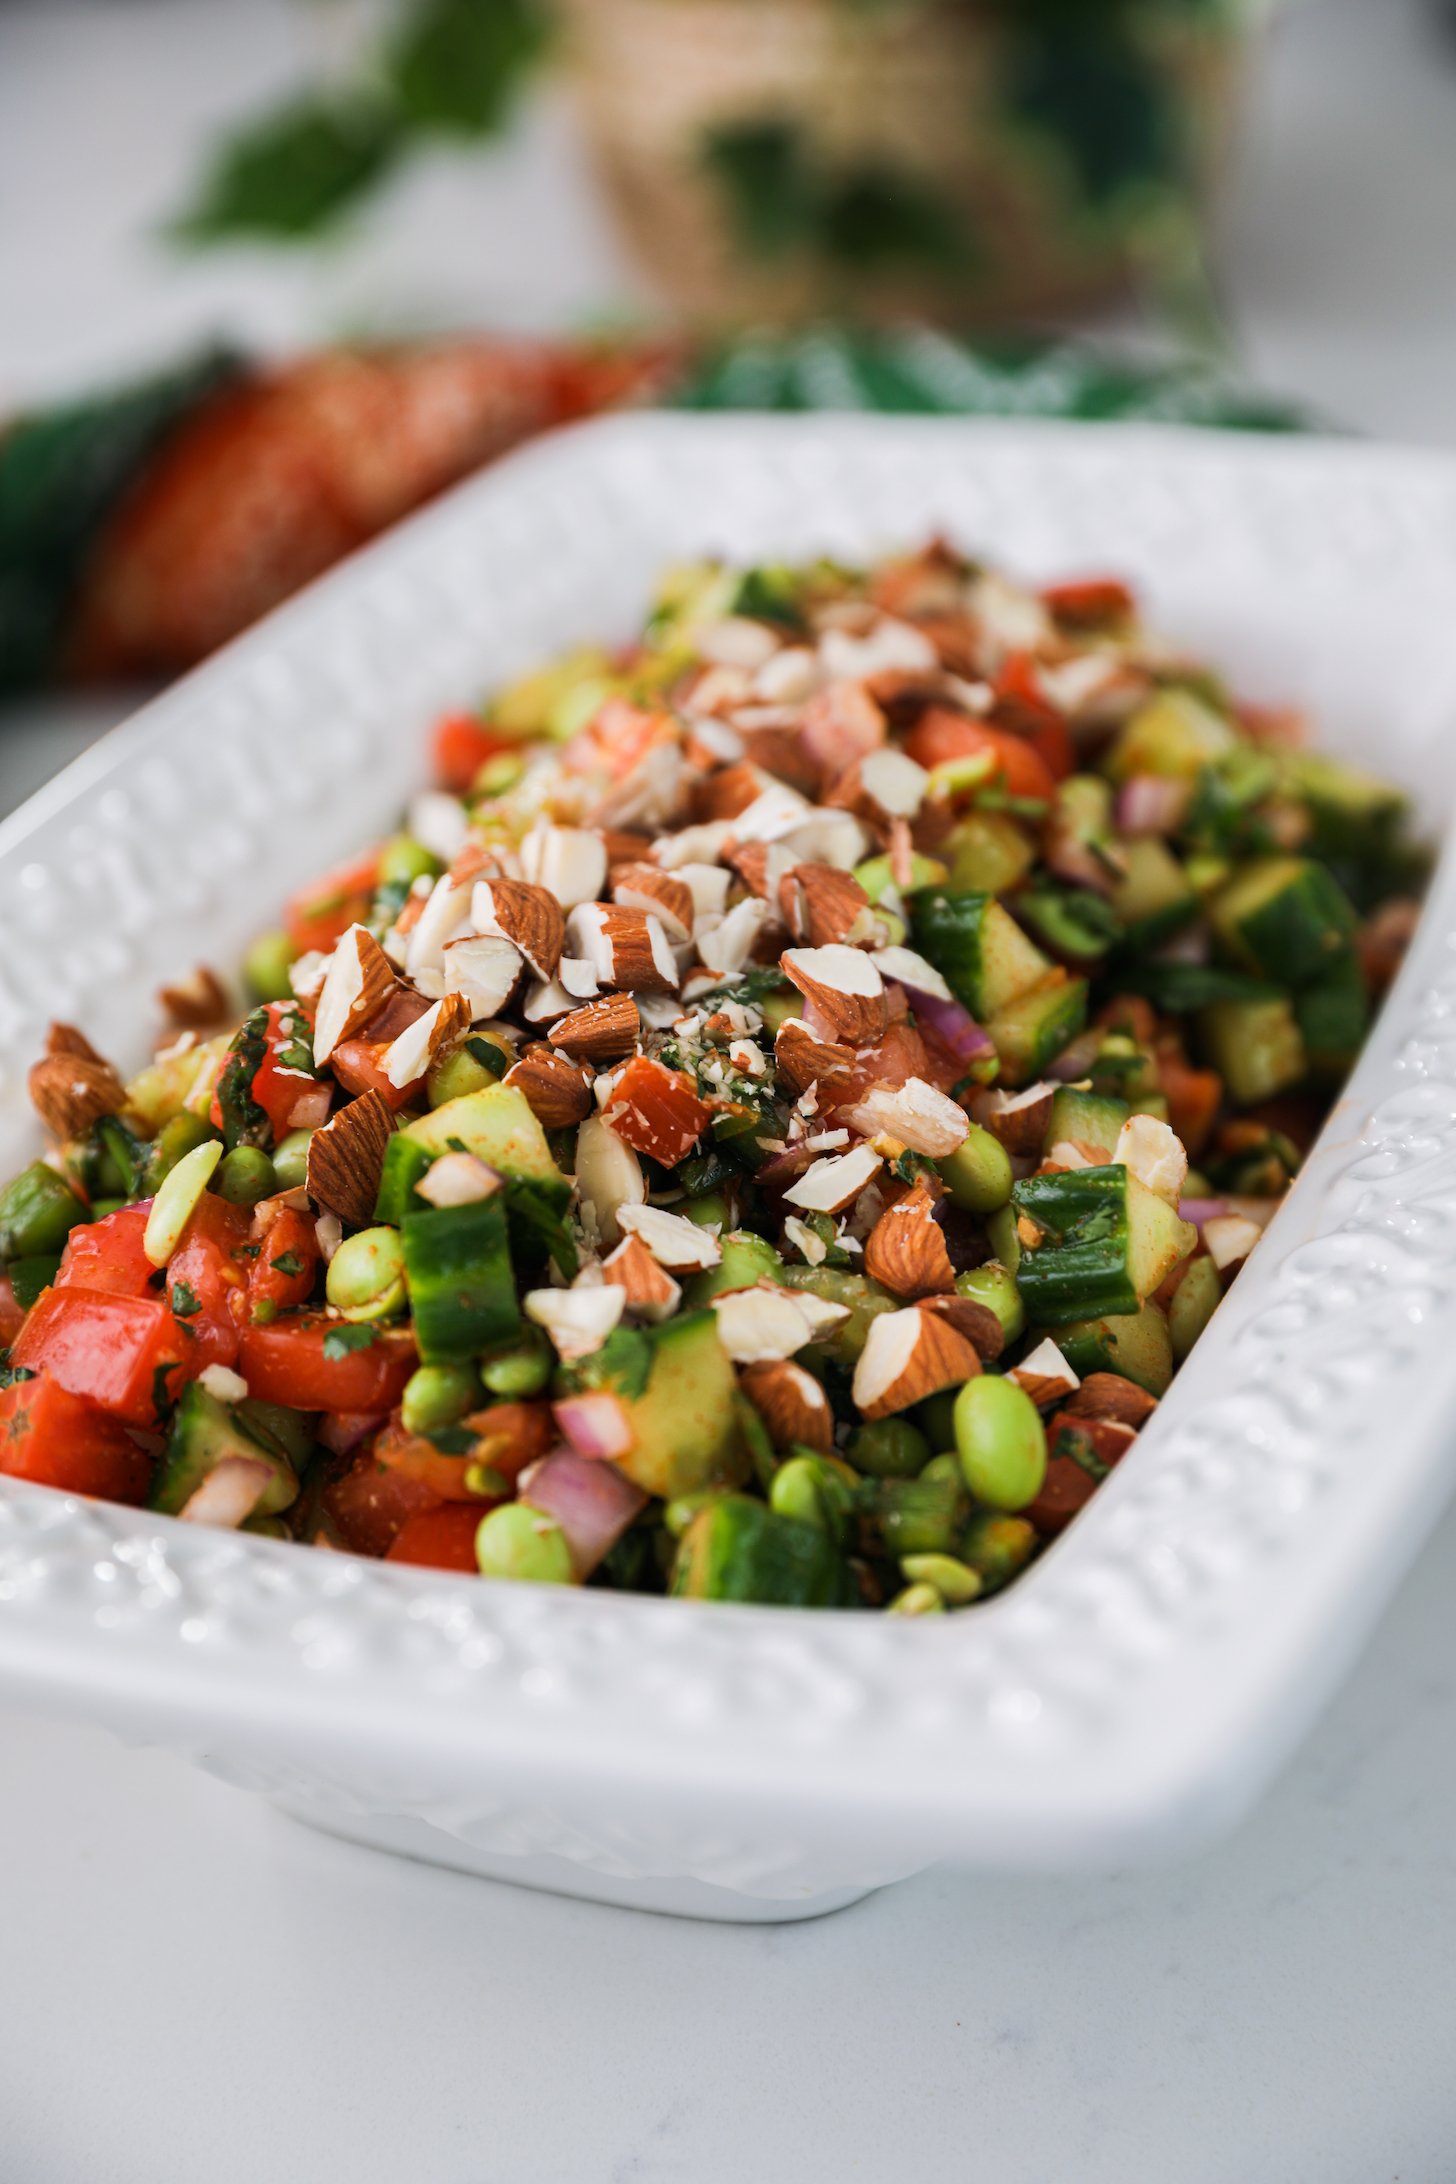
(1108, 1395)
(905, 1250)
(627, 949)
(651, 1291)
(821, 905)
(359, 980)
(756, 1326)
(791, 1404)
(977, 1322)
(1017, 1119)
(909, 1355)
(196, 1003)
(915, 1114)
(1228, 1239)
(458, 1179)
(682, 1246)
(577, 1320)
(568, 862)
(528, 916)
(1045, 1375)
(558, 1092)
(844, 986)
(1150, 1151)
(603, 1031)
(835, 1181)
(663, 895)
(803, 1060)
(69, 1092)
(346, 1156)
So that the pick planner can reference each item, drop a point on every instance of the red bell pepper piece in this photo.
(1090, 602)
(286, 1363)
(54, 1439)
(127, 1355)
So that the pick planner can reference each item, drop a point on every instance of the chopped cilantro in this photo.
(488, 1055)
(287, 1262)
(244, 1122)
(185, 1301)
(343, 1340)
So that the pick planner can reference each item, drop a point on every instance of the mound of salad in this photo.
(768, 1129)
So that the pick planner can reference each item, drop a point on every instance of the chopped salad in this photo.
(768, 1129)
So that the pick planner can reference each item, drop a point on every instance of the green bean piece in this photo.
(404, 860)
(38, 1210)
(888, 1448)
(290, 1160)
(1001, 1442)
(366, 1277)
(246, 1175)
(266, 966)
(520, 1368)
(439, 1395)
(978, 1173)
(992, 1286)
(524, 1544)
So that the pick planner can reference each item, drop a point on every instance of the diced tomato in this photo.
(512, 1435)
(461, 747)
(358, 1063)
(12, 1317)
(1089, 602)
(656, 1111)
(285, 1363)
(1193, 1097)
(108, 1255)
(207, 1281)
(285, 1269)
(940, 736)
(278, 1086)
(370, 1506)
(621, 734)
(414, 1457)
(1022, 707)
(317, 916)
(439, 1539)
(1069, 1485)
(126, 1355)
(55, 1439)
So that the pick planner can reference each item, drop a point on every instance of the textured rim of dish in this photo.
(1141, 1684)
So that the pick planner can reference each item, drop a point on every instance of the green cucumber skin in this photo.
(204, 1434)
(1135, 1344)
(405, 1162)
(736, 1549)
(462, 1292)
(1299, 917)
(1091, 1119)
(1075, 1276)
(977, 947)
(1031, 1030)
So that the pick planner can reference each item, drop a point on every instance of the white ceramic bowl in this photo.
(1140, 1686)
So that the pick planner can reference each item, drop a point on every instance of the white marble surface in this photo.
(192, 1988)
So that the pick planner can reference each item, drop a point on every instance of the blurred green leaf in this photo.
(293, 173)
(458, 64)
(1088, 86)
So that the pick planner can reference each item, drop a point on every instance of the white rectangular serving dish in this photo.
(1140, 1686)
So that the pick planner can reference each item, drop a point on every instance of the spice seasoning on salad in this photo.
(769, 1129)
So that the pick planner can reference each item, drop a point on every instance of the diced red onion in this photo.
(954, 1026)
(595, 1426)
(1149, 804)
(311, 1109)
(1075, 1061)
(1260, 1211)
(591, 1501)
(230, 1493)
(341, 1432)
(1199, 1210)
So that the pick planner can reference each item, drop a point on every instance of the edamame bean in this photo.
(801, 1488)
(404, 860)
(709, 1211)
(917, 1600)
(992, 1286)
(888, 1448)
(438, 1395)
(180, 1135)
(366, 1278)
(978, 1173)
(1001, 1442)
(245, 1176)
(523, 1368)
(519, 1542)
(997, 1548)
(290, 1160)
(956, 1584)
(266, 966)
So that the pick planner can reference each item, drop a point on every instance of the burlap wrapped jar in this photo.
(918, 96)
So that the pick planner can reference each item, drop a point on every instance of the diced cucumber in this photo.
(497, 1125)
(1074, 924)
(1193, 1304)
(1256, 1047)
(978, 949)
(1351, 809)
(1107, 1242)
(1284, 918)
(1092, 1120)
(204, 1434)
(1333, 1016)
(736, 1549)
(405, 1162)
(1174, 735)
(1029, 1031)
(1136, 1345)
(745, 1258)
(877, 874)
(1155, 895)
(989, 852)
(462, 1293)
(685, 1435)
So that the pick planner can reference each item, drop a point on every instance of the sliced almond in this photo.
(628, 951)
(903, 967)
(1018, 1120)
(458, 1179)
(791, 1404)
(651, 1291)
(844, 986)
(1155, 1154)
(977, 1322)
(577, 1320)
(726, 945)
(196, 1003)
(909, 1355)
(359, 980)
(603, 1031)
(346, 1157)
(1045, 1375)
(1228, 1237)
(758, 1325)
(802, 1060)
(426, 1041)
(682, 1246)
(528, 916)
(609, 1178)
(1108, 1395)
(557, 1091)
(71, 1091)
(915, 1114)
(820, 904)
(662, 895)
(484, 968)
(569, 862)
(905, 1250)
(834, 1182)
